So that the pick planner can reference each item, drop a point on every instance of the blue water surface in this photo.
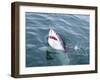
(72, 28)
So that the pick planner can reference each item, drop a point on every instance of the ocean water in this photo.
(72, 28)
